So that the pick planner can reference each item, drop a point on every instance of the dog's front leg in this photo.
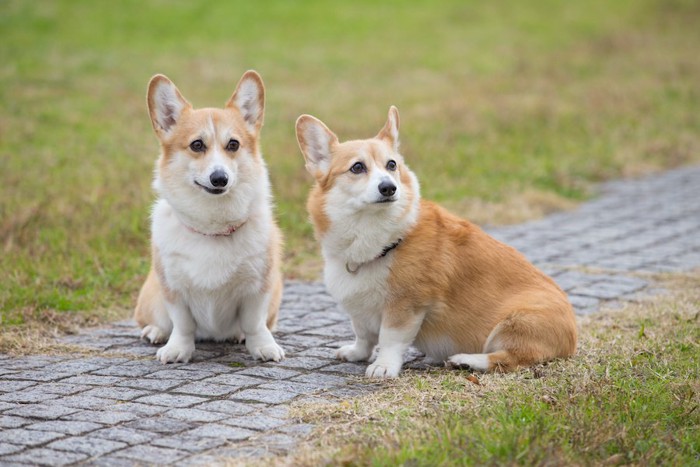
(180, 346)
(395, 336)
(365, 340)
(258, 338)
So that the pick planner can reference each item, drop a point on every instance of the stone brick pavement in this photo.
(118, 406)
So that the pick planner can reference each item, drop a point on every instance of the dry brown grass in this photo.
(43, 329)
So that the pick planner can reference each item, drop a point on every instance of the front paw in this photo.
(267, 352)
(352, 353)
(175, 352)
(379, 370)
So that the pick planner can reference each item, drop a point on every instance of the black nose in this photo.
(387, 188)
(218, 178)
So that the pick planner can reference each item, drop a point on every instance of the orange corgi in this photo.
(216, 248)
(410, 273)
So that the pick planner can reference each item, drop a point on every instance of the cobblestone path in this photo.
(118, 406)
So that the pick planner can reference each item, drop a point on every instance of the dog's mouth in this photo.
(212, 191)
(385, 200)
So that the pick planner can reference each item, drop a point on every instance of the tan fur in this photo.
(475, 287)
(471, 291)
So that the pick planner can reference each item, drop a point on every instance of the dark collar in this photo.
(385, 251)
(388, 248)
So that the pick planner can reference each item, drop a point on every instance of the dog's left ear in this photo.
(390, 132)
(249, 99)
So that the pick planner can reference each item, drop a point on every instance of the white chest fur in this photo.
(212, 274)
(362, 294)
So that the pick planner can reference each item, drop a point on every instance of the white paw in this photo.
(378, 370)
(351, 353)
(154, 334)
(175, 352)
(268, 352)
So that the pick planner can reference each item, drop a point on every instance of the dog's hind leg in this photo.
(528, 336)
(151, 313)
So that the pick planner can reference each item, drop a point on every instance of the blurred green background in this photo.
(509, 110)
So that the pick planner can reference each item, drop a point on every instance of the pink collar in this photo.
(226, 233)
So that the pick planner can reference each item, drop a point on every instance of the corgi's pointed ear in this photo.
(249, 99)
(316, 142)
(165, 104)
(390, 132)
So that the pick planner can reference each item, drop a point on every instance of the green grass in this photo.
(507, 107)
(631, 396)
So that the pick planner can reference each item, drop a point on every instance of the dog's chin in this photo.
(211, 191)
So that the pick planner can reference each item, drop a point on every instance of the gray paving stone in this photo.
(207, 388)
(191, 375)
(126, 435)
(43, 456)
(7, 448)
(42, 411)
(268, 396)
(25, 437)
(219, 431)
(37, 375)
(80, 401)
(93, 380)
(92, 446)
(11, 386)
(170, 400)
(124, 370)
(228, 407)
(162, 425)
(293, 387)
(347, 368)
(189, 443)
(63, 388)
(144, 454)
(66, 427)
(196, 415)
(272, 372)
(23, 397)
(235, 380)
(159, 385)
(305, 363)
(137, 408)
(8, 421)
(321, 380)
(120, 393)
(257, 422)
(101, 416)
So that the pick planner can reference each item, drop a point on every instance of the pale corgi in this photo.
(409, 272)
(216, 248)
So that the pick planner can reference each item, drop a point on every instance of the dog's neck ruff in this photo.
(225, 233)
(352, 268)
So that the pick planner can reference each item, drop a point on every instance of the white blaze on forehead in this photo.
(210, 126)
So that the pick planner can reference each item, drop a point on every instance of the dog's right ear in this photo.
(165, 104)
(316, 142)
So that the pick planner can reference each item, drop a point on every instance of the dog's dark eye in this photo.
(198, 146)
(233, 145)
(358, 168)
(391, 165)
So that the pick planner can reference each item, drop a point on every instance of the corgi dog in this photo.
(216, 249)
(409, 272)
